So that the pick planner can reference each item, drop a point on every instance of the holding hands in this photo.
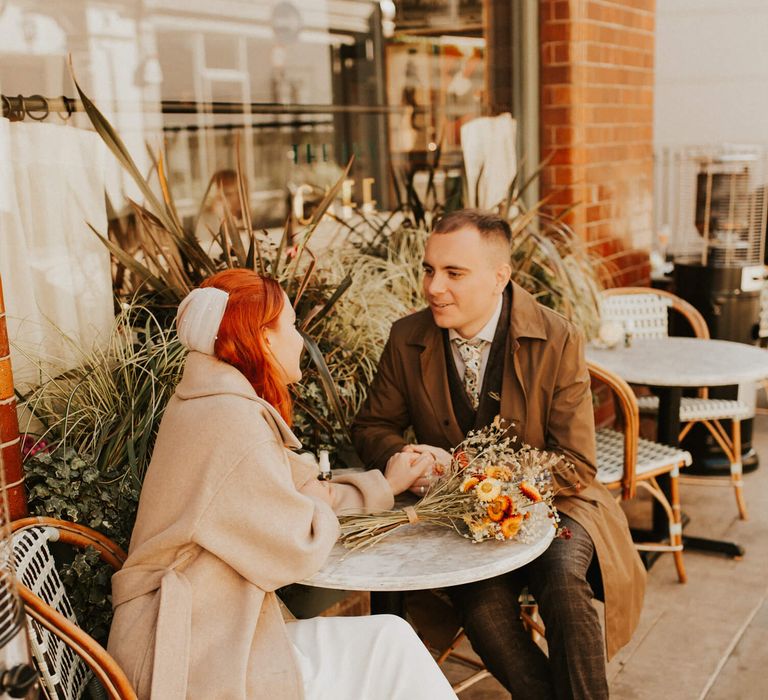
(415, 467)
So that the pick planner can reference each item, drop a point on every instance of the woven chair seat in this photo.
(651, 456)
(36, 569)
(692, 408)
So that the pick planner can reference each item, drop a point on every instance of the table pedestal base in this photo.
(388, 603)
(702, 544)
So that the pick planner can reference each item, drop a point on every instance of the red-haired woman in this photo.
(229, 513)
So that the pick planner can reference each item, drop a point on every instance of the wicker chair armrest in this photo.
(630, 413)
(77, 536)
(104, 667)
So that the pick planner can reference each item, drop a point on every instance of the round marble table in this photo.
(684, 362)
(419, 557)
(669, 365)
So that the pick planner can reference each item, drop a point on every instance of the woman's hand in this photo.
(319, 490)
(406, 468)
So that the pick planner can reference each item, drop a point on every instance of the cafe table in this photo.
(671, 364)
(423, 556)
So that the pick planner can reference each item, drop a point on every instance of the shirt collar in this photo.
(488, 331)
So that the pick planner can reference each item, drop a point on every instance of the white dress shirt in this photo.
(486, 333)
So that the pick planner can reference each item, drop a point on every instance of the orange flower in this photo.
(500, 507)
(530, 492)
(497, 509)
(511, 525)
(469, 484)
(461, 457)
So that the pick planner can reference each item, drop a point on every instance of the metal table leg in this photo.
(668, 431)
(388, 603)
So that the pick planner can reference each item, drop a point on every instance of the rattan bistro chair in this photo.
(625, 461)
(66, 657)
(644, 313)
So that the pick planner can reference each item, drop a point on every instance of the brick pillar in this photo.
(597, 118)
(10, 441)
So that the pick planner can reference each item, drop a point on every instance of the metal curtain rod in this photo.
(38, 107)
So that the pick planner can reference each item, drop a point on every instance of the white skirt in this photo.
(365, 658)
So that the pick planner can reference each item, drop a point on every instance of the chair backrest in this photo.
(63, 674)
(644, 311)
(630, 418)
(641, 315)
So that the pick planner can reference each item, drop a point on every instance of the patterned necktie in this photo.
(471, 352)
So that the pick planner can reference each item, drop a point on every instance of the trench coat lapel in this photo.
(526, 322)
(434, 377)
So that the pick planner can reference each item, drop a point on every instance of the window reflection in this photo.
(300, 85)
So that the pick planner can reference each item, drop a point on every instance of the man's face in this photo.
(463, 278)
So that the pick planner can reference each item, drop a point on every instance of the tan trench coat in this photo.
(546, 394)
(222, 523)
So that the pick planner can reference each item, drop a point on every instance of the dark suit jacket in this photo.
(546, 394)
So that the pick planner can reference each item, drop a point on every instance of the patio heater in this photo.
(718, 250)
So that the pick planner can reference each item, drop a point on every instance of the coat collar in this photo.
(205, 375)
(525, 321)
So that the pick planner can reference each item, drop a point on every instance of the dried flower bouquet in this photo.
(492, 489)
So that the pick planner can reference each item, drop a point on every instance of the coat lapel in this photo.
(434, 376)
(526, 322)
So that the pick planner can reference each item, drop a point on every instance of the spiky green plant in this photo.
(110, 406)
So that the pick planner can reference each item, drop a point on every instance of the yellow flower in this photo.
(510, 526)
(488, 489)
(469, 483)
(498, 473)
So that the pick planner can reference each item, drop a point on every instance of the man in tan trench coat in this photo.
(485, 347)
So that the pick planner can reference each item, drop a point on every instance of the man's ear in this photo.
(503, 275)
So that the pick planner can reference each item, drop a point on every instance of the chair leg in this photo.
(480, 671)
(675, 521)
(736, 469)
(676, 526)
(530, 615)
(731, 446)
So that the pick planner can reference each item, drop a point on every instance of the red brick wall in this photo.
(597, 122)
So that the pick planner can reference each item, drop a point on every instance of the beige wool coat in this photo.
(222, 523)
(546, 395)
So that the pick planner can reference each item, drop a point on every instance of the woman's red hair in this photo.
(254, 303)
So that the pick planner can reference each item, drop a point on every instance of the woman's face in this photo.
(286, 343)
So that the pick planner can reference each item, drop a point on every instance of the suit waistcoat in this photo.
(490, 392)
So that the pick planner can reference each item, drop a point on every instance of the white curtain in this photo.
(56, 273)
(490, 157)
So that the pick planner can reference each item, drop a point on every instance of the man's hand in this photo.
(440, 460)
(442, 457)
(406, 468)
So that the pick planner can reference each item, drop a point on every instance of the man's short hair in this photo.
(493, 228)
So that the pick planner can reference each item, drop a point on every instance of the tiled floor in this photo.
(707, 638)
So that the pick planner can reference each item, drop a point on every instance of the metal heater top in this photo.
(716, 205)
